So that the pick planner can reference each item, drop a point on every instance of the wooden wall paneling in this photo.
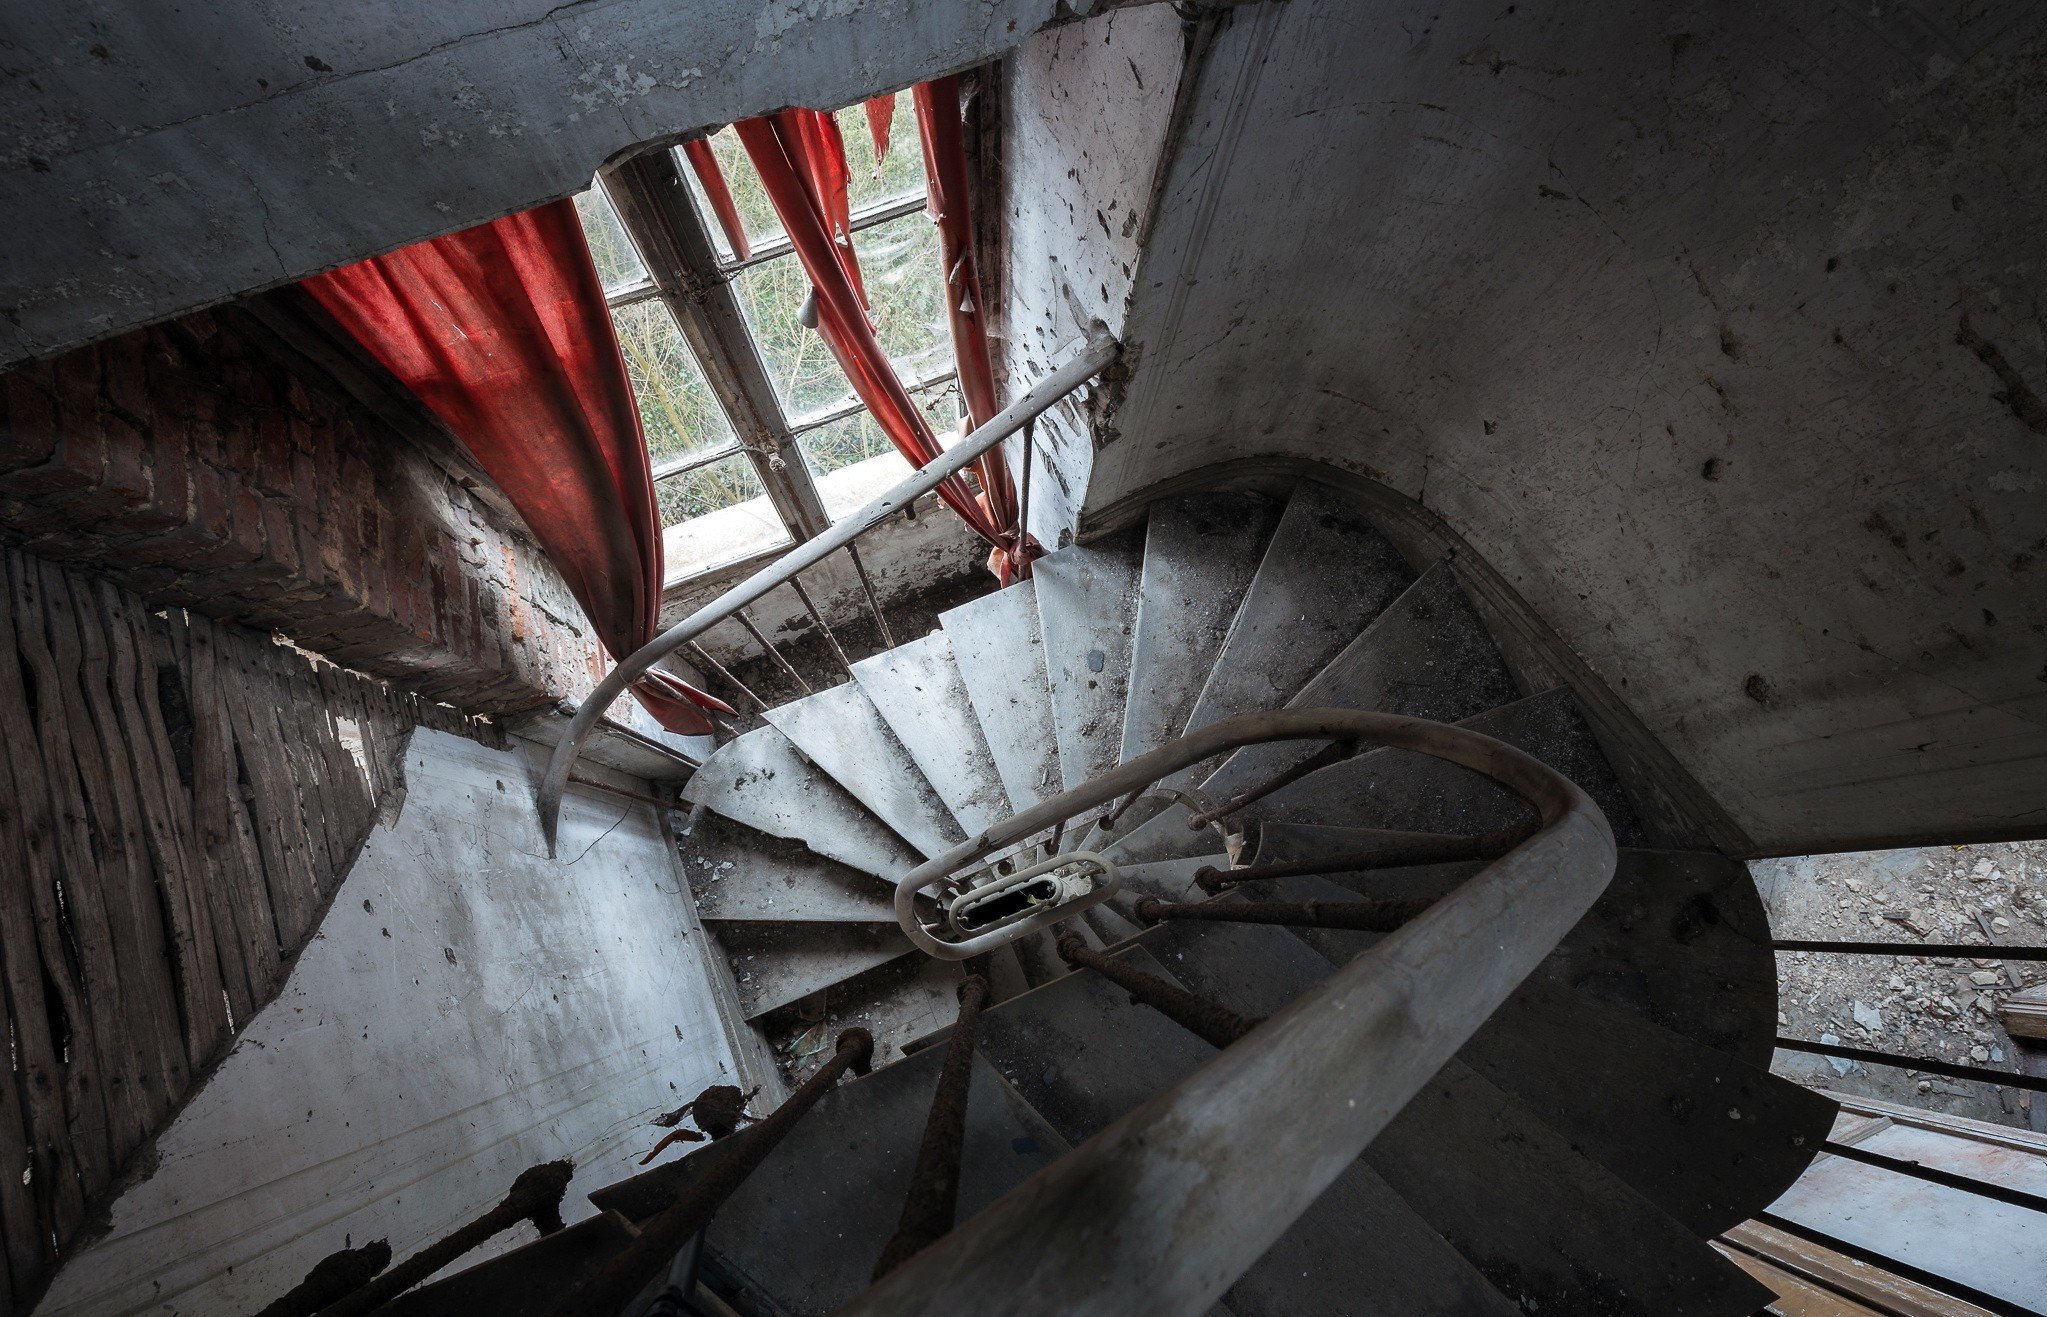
(61, 1094)
(78, 910)
(166, 807)
(149, 993)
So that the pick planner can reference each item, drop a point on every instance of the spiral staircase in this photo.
(1576, 1156)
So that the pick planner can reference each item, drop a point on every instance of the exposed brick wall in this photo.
(199, 470)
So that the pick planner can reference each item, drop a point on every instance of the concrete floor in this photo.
(1926, 1006)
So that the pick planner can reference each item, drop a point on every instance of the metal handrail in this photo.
(1351, 728)
(1164, 1209)
(1089, 359)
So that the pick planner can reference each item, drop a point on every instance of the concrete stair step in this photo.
(1200, 553)
(761, 780)
(920, 694)
(840, 731)
(1000, 657)
(1087, 612)
(736, 873)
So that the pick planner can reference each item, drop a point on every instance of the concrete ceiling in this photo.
(1718, 331)
(159, 158)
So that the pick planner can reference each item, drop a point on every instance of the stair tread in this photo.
(1668, 939)
(921, 696)
(1200, 553)
(832, 1193)
(1419, 793)
(1704, 1135)
(737, 873)
(775, 964)
(1554, 1230)
(1325, 574)
(1087, 605)
(840, 731)
(1082, 1054)
(760, 779)
(1466, 1156)
(1428, 655)
(1000, 656)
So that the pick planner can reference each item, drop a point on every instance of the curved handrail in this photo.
(1097, 352)
(1531, 779)
(1164, 1209)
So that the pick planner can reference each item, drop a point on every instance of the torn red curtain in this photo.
(502, 331)
(801, 161)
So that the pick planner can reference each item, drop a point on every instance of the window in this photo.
(755, 438)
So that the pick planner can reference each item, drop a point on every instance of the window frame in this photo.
(654, 203)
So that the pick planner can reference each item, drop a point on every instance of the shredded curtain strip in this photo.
(801, 159)
(502, 331)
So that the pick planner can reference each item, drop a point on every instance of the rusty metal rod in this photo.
(746, 620)
(888, 641)
(621, 792)
(664, 1235)
(1431, 850)
(1959, 950)
(1023, 502)
(703, 656)
(1212, 1023)
(535, 1196)
(933, 1200)
(818, 617)
(1935, 1175)
(333, 1277)
(1925, 1064)
(1328, 756)
(1364, 916)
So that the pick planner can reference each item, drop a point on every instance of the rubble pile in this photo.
(1934, 1006)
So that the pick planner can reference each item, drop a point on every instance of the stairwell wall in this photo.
(1718, 339)
(467, 1009)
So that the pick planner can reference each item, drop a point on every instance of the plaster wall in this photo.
(468, 1009)
(158, 159)
(1718, 333)
(1085, 115)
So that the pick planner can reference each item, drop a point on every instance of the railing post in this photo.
(1214, 1024)
(933, 1200)
(1381, 915)
(661, 1238)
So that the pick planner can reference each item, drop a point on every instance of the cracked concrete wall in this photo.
(161, 159)
(468, 1008)
(1718, 332)
(1085, 113)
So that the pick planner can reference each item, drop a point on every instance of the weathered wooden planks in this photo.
(179, 801)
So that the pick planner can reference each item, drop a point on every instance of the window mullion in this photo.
(652, 202)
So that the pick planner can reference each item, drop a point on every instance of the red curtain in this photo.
(502, 331)
(802, 165)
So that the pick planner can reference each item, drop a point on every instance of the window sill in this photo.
(750, 533)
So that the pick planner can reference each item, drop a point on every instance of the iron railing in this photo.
(1164, 1209)
(1086, 360)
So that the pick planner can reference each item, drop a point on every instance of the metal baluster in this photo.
(888, 640)
(703, 656)
(1376, 916)
(535, 1196)
(1333, 753)
(1211, 1022)
(1023, 501)
(662, 1237)
(933, 1201)
(753, 630)
(1393, 855)
(822, 625)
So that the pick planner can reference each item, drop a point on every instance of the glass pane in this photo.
(900, 174)
(905, 281)
(853, 461)
(618, 264)
(706, 489)
(714, 515)
(678, 411)
(756, 212)
(806, 377)
(900, 266)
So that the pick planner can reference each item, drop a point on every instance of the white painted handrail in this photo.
(1089, 358)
